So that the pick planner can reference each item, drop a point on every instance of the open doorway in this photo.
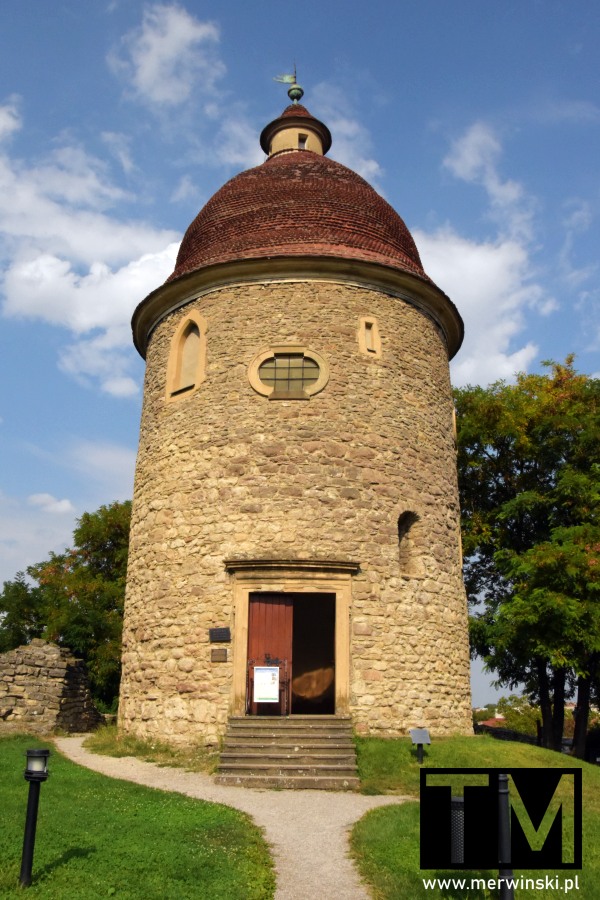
(313, 643)
(295, 633)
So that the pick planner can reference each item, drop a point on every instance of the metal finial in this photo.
(295, 92)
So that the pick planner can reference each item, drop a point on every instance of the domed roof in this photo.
(298, 211)
(297, 203)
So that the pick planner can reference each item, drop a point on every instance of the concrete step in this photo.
(282, 768)
(255, 746)
(290, 782)
(292, 752)
(291, 738)
(275, 757)
(315, 723)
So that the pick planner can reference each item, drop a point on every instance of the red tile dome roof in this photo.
(295, 109)
(297, 203)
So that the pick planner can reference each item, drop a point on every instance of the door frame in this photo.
(294, 577)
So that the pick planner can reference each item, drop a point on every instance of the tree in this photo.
(529, 461)
(519, 714)
(77, 598)
(21, 613)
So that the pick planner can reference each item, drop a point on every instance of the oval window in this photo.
(288, 373)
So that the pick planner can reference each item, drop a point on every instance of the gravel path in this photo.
(307, 830)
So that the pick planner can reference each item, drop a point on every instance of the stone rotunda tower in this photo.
(296, 502)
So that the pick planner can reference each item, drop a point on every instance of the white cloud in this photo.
(492, 287)
(237, 142)
(26, 537)
(49, 288)
(168, 56)
(109, 466)
(69, 262)
(48, 503)
(579, 217)
(186, 190)
(120, 147)
(100, 472)
(494, 283)
(474, 158)
(57, 208)
(10, 119)
(352, 145)
(575, 112)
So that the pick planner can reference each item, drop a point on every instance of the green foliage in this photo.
(98, 837)
(487, 712)
(519, 714)
(21, 613)
(529, 478)
(76, 598)
(385, 843)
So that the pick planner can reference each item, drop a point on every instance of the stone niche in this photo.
(44, 688)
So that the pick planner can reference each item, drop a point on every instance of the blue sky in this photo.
(479, 122)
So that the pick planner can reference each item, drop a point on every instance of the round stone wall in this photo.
(225, 473)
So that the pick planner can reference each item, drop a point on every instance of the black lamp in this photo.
(36, 768)
(36, 771)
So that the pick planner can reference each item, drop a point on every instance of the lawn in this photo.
(385, 843)
(109, 741)
(98, 837)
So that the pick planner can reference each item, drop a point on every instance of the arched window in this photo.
(187, 359)
(408, 544)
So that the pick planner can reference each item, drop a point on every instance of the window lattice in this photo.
(289, 373)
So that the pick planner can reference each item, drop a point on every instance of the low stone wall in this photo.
(44, 688)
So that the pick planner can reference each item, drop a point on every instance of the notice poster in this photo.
(266, 684)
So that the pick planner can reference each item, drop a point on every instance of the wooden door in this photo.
(270, 621)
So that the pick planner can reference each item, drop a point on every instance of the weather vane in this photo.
(295, 92)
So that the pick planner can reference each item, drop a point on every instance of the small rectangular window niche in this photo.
(369, 341)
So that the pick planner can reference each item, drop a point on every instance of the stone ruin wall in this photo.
(227, 473)
(44, 688)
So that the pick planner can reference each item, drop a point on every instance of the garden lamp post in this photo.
(36, 771)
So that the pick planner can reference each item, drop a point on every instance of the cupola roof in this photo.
(296, 204)
(301, 207)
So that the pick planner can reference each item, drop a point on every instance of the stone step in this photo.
(289, 782)
(307, 745)
(289, 737)
(275, 757)
(277, 768)
(279, 722)
(289, 752)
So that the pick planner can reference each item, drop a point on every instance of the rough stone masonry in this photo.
(44, 688)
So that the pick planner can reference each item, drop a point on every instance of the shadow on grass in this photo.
(63, 860)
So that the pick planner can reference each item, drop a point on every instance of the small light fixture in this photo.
(36, 771)
(36, 768)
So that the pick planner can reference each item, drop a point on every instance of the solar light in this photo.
(419, 736)
(36, 771)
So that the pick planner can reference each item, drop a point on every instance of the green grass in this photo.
(108, 741)
(385, 843)
(98, 837)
